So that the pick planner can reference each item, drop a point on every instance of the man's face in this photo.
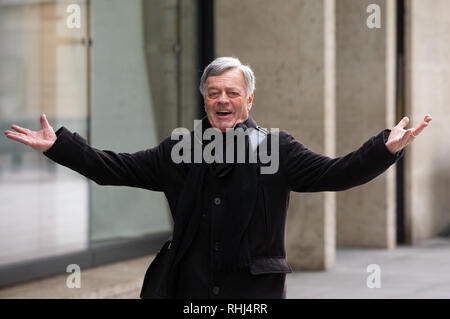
(226, 104)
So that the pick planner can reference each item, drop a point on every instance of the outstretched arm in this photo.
(307, 171)
(142, 169)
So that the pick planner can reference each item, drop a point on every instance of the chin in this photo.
(223, 125)
(222, 128)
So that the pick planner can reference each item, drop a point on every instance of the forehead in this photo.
(229, 78)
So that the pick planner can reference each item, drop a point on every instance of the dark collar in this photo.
(250, 122)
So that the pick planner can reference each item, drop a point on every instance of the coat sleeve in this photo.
(142, 169)
(306, 171)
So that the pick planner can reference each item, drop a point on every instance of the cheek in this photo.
(208, 108)
(245, 108)
(240, 107)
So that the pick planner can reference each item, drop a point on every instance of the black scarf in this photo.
(240, 192)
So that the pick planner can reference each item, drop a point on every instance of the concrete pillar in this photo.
(290, 46)
(365, 104)
(427, 166)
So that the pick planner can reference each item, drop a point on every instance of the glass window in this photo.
(43, 69)
(123, 80)
(123, 114)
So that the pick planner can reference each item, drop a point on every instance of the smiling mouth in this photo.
(223, 113)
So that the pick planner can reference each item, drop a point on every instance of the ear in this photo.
(250, 102)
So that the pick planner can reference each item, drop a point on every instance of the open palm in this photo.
(400, 138)
(39, 140)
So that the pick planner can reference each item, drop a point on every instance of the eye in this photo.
(212, 94)
(234, 93)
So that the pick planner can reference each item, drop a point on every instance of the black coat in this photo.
(300, 170)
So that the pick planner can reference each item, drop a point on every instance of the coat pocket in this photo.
(270, 265)
(156, 273)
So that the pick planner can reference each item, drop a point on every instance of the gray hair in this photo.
(220, 65)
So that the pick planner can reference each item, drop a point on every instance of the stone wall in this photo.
(427, 167)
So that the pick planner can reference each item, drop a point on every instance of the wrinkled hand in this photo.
(39, 140)
(399, 137)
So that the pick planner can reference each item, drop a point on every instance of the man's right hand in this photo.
(39, 140)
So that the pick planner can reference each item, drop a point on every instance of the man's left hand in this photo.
(400, 137)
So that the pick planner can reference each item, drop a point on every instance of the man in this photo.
(229, 219)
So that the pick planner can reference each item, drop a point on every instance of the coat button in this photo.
(217, 201)
(215, 290)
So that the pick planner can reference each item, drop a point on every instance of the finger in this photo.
(419, 128)
(20, 129)
(18, 137)
(44, 122)
(12, 133)
(404, 121)
(408, 137)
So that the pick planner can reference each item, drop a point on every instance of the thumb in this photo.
(44, 122)
(404, 121)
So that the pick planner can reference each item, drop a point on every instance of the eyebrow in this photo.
(228, 88)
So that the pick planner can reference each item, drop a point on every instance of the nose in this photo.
(223, 98)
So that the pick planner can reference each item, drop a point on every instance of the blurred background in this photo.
(331, 72)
